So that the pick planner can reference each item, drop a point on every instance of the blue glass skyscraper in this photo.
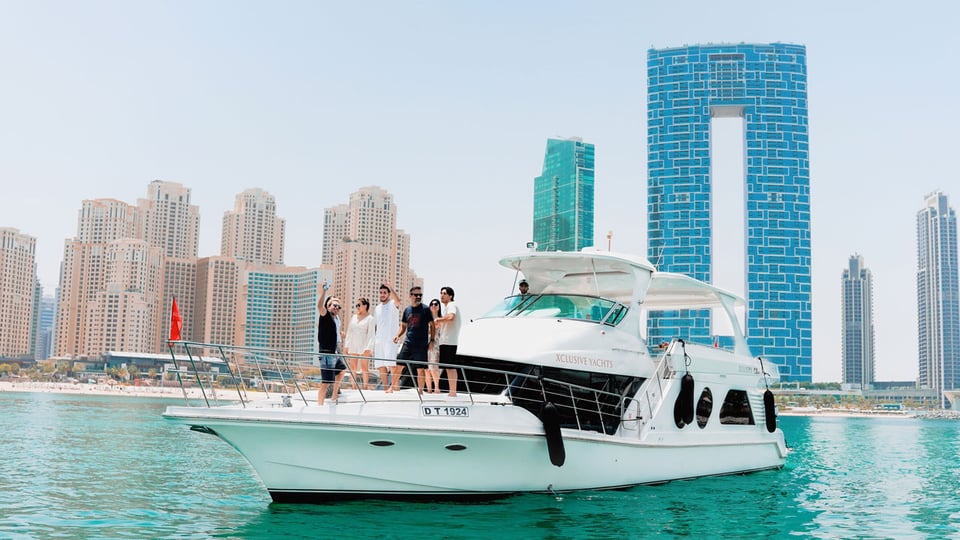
(766, 86)
(563, 197)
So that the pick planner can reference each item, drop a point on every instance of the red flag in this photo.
(176, 322)
(716, 342)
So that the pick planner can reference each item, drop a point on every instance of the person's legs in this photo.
(327, 376)
(364, 365)
(395, 371)
(384, 379)
(448, 356)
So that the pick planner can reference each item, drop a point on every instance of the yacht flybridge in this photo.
(558, 391)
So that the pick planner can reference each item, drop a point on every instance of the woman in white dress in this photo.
(359, 343)
(433, 354)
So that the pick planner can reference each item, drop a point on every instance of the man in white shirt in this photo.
(387, 317)
(448, 333)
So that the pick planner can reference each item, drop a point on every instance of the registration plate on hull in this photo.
(445, 411)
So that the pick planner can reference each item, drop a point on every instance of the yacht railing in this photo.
(254, 374)
(652, 395)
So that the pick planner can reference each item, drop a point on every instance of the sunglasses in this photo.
(418, 295)
(335, 306)
(434, 305)
(358, 306)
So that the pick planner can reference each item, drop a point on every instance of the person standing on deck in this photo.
(417, 324)
(387, 317)
(332, 368)
(447, 335)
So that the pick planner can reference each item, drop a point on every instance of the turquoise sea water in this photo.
(112, 467)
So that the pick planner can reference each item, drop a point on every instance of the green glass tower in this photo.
(563, 197)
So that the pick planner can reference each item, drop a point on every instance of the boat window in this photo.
(736, 409)
(560, 306)
(704, 407)
(585, 400)
(508, 305)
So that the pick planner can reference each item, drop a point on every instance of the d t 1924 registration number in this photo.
(446, 411)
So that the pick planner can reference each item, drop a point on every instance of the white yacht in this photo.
(558, 391)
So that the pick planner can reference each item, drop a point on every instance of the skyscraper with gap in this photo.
(563, 196)
(765, 85)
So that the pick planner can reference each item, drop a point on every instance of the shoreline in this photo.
(867, 413)
(165, 392)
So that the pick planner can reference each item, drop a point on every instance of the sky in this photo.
(448, 105)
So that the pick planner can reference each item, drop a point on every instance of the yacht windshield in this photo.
(560, 306)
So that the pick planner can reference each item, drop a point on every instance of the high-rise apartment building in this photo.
(766, 86)
(216, 309)
(563, 196)
(170, 222)
(364, 247)
(123, 314)
(45, 320)
(278, 307)
(83, 268)
(18, 274)
(120, 273)
(938, 296)
(857, 339)
(252, 232)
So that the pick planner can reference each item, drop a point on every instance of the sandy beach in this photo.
(170, 392)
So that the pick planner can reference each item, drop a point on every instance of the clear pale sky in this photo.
(448, 106)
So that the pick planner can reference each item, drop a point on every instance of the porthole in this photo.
(704, 407)
(455, 447)
(382, 443)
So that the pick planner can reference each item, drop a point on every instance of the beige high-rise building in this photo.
(83, 269)
(122, 316)
(17, 279)
(216, 309)
(252, 232)
(119, 275)
(362, 243)
(170, 222)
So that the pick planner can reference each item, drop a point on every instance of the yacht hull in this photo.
(315, 456)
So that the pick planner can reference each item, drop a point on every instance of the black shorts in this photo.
(418, 354)
(448, 354)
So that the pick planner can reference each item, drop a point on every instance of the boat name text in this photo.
(576, 359)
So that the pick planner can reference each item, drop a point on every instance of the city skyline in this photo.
(415, 93)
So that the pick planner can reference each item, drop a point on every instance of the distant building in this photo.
(363, 246)
(252, 232)
(121, 272)
(766, 86)
(277, 307)
(172, 224)
(563, 196)
(44, 339)
(857, 338)
(216, 309)
(938, 294)
(18, 277)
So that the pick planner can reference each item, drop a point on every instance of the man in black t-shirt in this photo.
(328, 332)
(417, 323)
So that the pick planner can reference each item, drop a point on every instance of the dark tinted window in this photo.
(704, 407)
(736, 409)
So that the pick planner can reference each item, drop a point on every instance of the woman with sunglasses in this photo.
(359, 343)
(433, 354)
